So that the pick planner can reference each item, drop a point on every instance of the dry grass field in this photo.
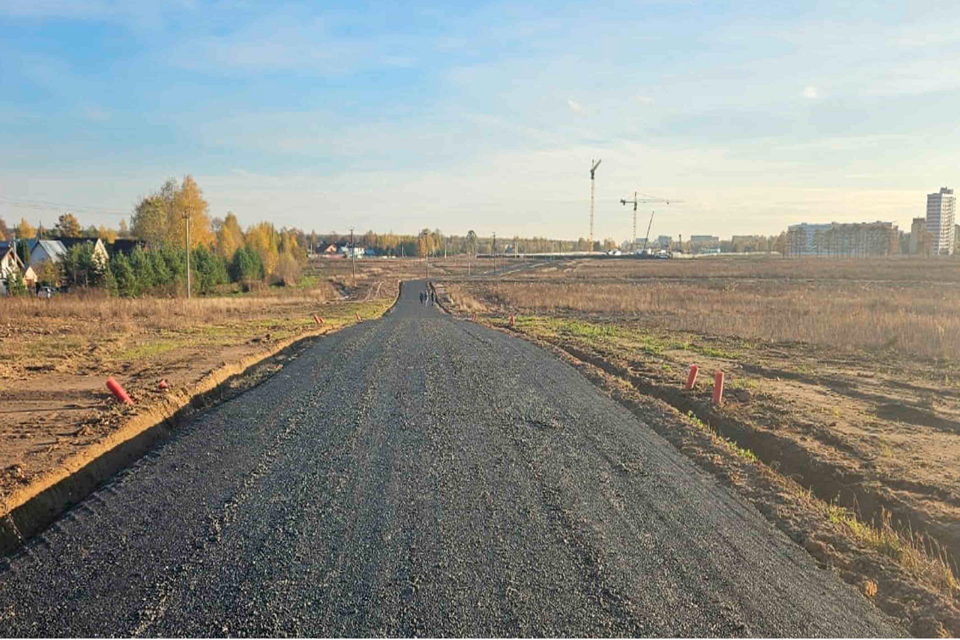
(841, 375)
(914, 320)
(58, 353)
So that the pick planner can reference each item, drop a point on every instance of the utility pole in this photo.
(593, 170)
(494, 249)
(186, 218)
(353, 258)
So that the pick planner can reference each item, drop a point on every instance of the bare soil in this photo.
(54, 403)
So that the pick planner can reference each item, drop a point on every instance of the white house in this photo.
(43, 250)
(10, 262)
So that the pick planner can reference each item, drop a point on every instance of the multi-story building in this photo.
(837, 239)
(699, 244)
(941, 209)
(917, 229)
(807, 239)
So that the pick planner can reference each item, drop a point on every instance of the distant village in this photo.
(39, 264)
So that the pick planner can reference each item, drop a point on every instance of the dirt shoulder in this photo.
(56, 408)
(848, 453)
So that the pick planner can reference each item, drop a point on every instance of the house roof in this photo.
(125, 246)
(53, 248)
(69, 242)
(6, 248)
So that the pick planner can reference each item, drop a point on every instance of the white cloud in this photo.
(645, 99)
(810, 92)
(576, 107)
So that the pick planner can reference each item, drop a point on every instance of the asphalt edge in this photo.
(33, 508)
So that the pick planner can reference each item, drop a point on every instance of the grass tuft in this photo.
(918, 554)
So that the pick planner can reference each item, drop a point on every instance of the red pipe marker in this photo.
(358, 316)
(118, 391)
(511, 320)
(317, 319)
(718, 388)
(474, 317)
(692, 378)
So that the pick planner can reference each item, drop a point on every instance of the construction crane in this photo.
(593, 170)
(644, 200)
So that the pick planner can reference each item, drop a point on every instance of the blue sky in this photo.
(484, 116)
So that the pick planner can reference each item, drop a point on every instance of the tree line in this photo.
(220, 250)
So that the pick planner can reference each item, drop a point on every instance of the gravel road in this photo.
(419, 475)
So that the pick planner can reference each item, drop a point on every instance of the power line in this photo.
(59, 206)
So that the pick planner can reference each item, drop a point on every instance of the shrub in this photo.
(247, 266)
(142, 264)
(81, 267)
(210, 269)
(15, 284)
(124, 277)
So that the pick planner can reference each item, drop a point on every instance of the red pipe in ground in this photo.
(474, 317)
(692, 378)
(358, 316)
(718, 388)
(118, 391)
(317, 319)
(511, 320)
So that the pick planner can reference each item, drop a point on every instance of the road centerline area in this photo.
(419, 475)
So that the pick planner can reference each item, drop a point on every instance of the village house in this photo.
(43, 250)
(10, 262)
(56, 249)
(329, 250)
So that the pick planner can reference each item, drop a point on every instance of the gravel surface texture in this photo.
(420, 475)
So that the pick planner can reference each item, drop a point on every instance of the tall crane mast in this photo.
(593, 170)
(644, 200)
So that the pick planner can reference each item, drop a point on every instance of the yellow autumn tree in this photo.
(105, 234)
(24, 230)
(263, 239)
(230, 237)
(161, 216)
(68, 226)
(289, 244)
(188, 202)
(150, 216)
